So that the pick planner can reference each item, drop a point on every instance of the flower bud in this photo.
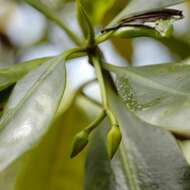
(80, 141)
(113, 140)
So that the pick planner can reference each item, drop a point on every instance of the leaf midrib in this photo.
(128, 167)
(41, 78)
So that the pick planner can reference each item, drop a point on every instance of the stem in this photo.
(50, 14)
(73, 53)
(100, 77)
(99, 72)
(96, 122)
(112, 118)
(103, 37)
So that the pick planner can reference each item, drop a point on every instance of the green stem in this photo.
(112, 118)
(98, 68)
(50, 14)
(103, 37)
(96, 122)
(73, 53)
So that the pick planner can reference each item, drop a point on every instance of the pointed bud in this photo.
(79, 142)
(113, 140)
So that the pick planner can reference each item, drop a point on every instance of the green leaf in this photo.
(99, 174)
(149, 158)
(185, 147)
(49, 166)
(124, 47)
(141, 6)
(160, 20)
(158, 94)
(9, 75)
(97, 9)
(9, 176)
(85, 24)
(30, 109)
(178, 46)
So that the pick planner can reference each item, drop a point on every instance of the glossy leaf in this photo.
(149, 158)
(99, 174)
(140, 6)
(158, 94)
(48, 166)
(9, 75)
(30, 109)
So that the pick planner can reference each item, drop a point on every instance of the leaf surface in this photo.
(141, 6)
(11, 74)
(48, 166)
(30, 109)
(158, 94)
(149, 158)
